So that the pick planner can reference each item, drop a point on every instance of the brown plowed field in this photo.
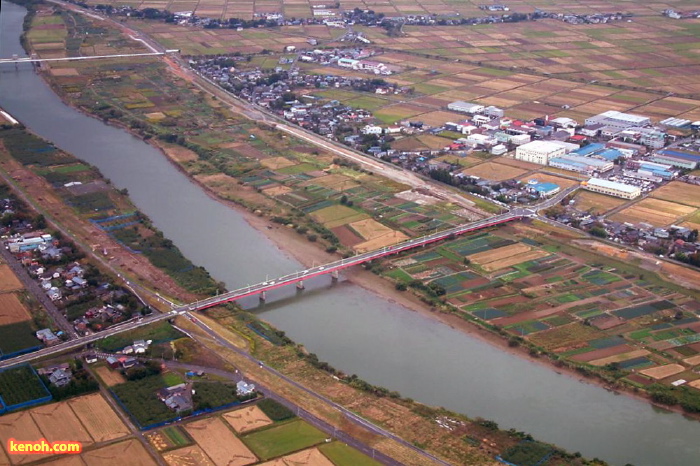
(12, 310)
(603, 353)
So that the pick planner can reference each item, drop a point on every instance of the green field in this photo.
(177, 436)
(20, 384)
(17, 336)
(160, 332)
(283, 439)
(342, 455)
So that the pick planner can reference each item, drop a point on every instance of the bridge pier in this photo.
(263, 296)
(334, 276)
(300, 285)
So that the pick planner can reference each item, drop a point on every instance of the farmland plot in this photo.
(116, 454)
(98, 417)
(12, 310)
(250, 418)
(8, 279)
(219, 443)
(59, 422)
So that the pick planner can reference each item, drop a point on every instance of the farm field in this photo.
(342, 455)
(8, 279)
(246, 419)
(12, 310)
(494, 171)
(188, 456)
(284, 438)
(582, 307)
(59, 422)
(219, 442)
(98, 417)
(311, 457)
(115, 454)
(679, 192)
(654, 211)
(597, 204)
(20, 426)
(109, 377)
(168, 438)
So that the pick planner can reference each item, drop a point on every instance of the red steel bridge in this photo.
(297, 278)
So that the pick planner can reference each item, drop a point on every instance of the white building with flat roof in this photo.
(618, 120)
(539, 152)
(465, 107)
(612, 188)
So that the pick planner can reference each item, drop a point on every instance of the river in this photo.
(353, 329)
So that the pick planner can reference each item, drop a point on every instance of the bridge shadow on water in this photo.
(281, 297)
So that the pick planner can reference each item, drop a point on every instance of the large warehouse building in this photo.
(539, 152)
(465, 107)
(612, 188)
(618, 120)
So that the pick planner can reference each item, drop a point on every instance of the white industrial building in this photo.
(465, 107)
(612, 188)
(539, 152)
(581, 164)
(618, 120)
(494, 112)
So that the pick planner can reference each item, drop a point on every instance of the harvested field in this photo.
(337, 215)
(224, 448)
(250, 418)
(98, 417)
(310, 457)
(12, 310)
(494, 171)
(491, 255)
(117, 453)
(661, 372)
(370, 229)
(8, 280)
(695, 384)
(679, 192)
(597, 204)
(20, 426)
(516, 259)
(109, 376)
(188, 456)
(335, 181)
(387, 240)
(619, 357)
(59, 422)
(654, 211)
(276, 163)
